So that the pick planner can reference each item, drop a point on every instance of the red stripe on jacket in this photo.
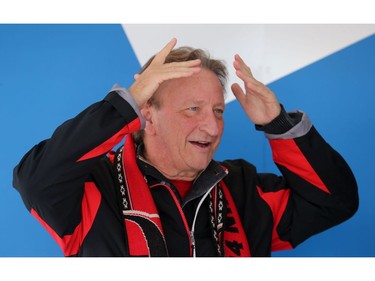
(277, 201)
(70, 244)
(112, 141)
(286, 153)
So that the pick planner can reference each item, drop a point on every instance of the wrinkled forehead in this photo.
(202, 86)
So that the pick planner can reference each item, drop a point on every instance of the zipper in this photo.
(192, 237)
(192, 243)
(182, 215)
(190, 232)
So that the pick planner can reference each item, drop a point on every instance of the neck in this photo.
(170, 173)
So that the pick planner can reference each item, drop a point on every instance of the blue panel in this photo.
(338, 93)
(48, 74)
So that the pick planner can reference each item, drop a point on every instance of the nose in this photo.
(211, 124)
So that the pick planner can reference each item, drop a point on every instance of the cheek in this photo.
(185, 126)
(174, 131)
(221, 128)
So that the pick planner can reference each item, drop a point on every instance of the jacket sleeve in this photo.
(317, 191)
(53, 175)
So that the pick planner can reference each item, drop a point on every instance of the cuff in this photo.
(124, 93)
(282, 123)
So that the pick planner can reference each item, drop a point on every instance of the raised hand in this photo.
(258, 101)
(146, 83)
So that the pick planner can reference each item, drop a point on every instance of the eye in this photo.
(193, 108)
(219, 111)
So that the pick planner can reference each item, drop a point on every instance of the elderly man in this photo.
(162, 193)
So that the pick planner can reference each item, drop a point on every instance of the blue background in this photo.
(49, 73)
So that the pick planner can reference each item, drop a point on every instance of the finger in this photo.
(177, 72)
(240, 65)
(249, 81)
(176, 66)
(163, 53)
(238, 93)
(250, 88)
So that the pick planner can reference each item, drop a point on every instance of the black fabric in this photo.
(52, 184)
(282, 123)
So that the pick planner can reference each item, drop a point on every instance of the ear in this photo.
(148, 114)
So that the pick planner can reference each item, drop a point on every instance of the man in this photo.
(161, 193)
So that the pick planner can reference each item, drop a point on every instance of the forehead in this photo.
(199, 88)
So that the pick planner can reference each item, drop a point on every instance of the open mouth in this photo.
(202, 144)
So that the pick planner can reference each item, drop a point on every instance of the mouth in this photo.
(201, 144)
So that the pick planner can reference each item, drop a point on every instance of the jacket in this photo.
(70, 184)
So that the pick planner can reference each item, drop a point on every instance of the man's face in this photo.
(188, 125)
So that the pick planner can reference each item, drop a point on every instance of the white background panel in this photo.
(271, 50)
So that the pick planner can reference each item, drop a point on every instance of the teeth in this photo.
(201, 143)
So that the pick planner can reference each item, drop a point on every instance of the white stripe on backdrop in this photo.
(271, 50)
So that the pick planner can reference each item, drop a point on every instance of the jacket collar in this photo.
(208, 178)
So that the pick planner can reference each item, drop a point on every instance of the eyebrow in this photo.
(202, 102)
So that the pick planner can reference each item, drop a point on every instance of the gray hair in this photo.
(185, 54)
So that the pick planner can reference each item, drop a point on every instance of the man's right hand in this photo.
(147, 83)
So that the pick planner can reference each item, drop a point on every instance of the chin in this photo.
(198, 163)
(201, 166)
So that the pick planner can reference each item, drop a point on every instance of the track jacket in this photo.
(73, 186)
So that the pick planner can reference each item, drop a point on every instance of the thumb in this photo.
(238, 92)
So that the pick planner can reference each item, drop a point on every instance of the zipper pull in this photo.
(192, 239)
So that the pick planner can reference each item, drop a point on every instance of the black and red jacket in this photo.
(69, 183)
